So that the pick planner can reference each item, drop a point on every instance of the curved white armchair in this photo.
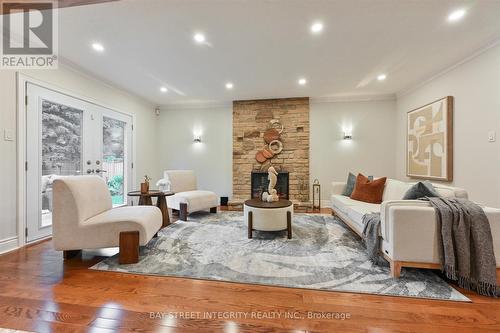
(84, 218)
(187, 198)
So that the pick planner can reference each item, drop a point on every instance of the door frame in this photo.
(22, 81)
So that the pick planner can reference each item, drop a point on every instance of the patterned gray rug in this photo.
(323, 254)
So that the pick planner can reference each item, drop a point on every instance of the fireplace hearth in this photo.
(259, 184)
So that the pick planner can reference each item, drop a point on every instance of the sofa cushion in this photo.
(341, 203)
(103, 230)
(367, 190)
(357, 212)
(395, 189)
(421, 190)
(450, 192)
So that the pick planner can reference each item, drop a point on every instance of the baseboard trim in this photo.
(8, 244)
(326, 204)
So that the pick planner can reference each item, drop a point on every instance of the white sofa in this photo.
(84, 218)
(408, 227)
(187, 198)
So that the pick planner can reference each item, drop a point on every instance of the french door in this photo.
(67, 136)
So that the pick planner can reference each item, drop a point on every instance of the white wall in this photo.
(81, 85)
(212, 158)
(475, 86)
(8, 185)
(371, 150)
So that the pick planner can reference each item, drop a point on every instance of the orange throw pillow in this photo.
(368, 190)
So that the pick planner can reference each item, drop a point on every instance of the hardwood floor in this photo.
(39, 292)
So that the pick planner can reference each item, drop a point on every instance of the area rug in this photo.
(323, 254)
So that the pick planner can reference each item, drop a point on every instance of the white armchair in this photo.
(84, 218)
(187, 198)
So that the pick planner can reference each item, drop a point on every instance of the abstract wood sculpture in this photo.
(271, 135)
(259, 156)
(274, 146)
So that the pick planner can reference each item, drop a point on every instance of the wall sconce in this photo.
(197, 138)
(348, 134)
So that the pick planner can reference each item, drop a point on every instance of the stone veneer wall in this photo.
(250, 120)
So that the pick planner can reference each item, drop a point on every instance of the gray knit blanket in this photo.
(466, 244)
(371, 238)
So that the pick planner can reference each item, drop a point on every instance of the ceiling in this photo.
(264, 47)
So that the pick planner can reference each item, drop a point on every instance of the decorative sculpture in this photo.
(272, 138)
(271, 195)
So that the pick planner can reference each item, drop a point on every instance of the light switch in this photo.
(8, 135)
(492, 136)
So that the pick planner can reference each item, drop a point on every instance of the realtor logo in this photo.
(29, 34)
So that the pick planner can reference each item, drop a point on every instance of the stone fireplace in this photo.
(251, 119)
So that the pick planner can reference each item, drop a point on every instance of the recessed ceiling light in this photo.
(317, 27)
(163, 89)
(456, 15)
(199, 38)
(229, 85)
(381, 77)
(302, 81)
(98, 47)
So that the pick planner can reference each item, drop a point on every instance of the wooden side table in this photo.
(161, 202)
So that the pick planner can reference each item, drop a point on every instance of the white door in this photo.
(69, 136)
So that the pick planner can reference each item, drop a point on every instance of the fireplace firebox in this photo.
(259, 184)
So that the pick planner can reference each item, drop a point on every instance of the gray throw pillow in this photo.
(421, 190)
(351, 182)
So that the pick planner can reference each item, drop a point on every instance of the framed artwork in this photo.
(429, 147)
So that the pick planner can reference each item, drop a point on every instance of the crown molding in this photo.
(472, 56)
(353, 98)
(196, 105)
(312, 100)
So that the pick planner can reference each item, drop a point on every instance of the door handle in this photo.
(99, 171)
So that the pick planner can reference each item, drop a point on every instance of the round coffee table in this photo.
(161, 202)
(268, 216)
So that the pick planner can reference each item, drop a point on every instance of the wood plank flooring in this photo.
(40, 292)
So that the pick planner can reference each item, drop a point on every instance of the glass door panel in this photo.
(113, 158)
(61, 149)
(56, 145)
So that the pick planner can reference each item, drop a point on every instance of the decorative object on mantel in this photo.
(271, 135)
(259, 183)
(163, 185)
(275, 150)
(272, 138)
(429, 149)
(271, 195)
(145, 184)
(260, 157)
(267, 153)
(316, 204)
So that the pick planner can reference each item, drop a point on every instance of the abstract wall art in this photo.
(430, 141)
